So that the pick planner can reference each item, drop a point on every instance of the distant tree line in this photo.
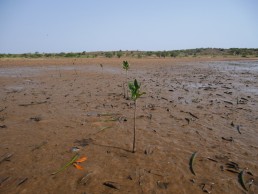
(198, 52)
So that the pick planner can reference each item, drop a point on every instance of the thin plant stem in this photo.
(134, 129)
(60, 75)
(75, 72)
(126, 87)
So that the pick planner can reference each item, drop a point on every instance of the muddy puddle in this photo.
(36, 71)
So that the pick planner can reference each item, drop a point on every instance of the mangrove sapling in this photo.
(126, 68)
(59, 71)
(75, 68)
(135, 94)
(101, 67)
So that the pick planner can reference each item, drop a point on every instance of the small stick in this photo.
(238, 129)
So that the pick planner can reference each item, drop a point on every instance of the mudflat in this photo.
(196, 126)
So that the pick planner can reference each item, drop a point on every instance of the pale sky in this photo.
(102, 25)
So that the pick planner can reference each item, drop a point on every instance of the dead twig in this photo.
(33, 103)
(5, 157)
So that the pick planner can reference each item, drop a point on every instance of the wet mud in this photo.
(196, 126)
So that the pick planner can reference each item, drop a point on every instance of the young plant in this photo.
(101, 67)
(126, 68)
(135, 94)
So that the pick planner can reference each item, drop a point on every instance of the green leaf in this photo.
(192, 162)
(136, 85)
(103, 128)
(68, 164)
(135, 90)
(241, 179)
(131, 86)
(125, 65)
(141, 94)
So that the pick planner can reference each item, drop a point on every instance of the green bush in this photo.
(119, 54)
(108, 54)
(70, 55)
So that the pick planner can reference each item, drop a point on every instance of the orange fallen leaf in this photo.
(78, 166)
(81, 160)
